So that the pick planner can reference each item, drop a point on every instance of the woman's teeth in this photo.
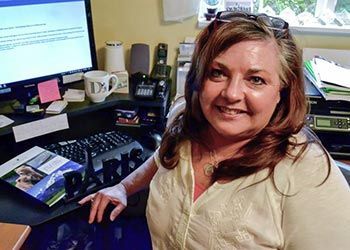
(230, 110)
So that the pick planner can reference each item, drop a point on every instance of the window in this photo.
(321, 16)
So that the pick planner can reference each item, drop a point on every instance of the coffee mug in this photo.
(99, 84)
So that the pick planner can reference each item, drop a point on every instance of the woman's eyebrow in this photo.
(255, 70)
(217, 62)
(220, 65)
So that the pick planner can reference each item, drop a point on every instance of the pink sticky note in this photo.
(48, 91)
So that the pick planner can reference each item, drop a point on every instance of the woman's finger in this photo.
(102, 207)
(116, 211)
(94, 207)
(86, 199)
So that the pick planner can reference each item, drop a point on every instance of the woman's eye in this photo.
(216, 74)
(256, 80)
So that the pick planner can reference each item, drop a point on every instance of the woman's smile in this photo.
(230, 112)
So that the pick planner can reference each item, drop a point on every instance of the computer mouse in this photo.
(157, 139)
(151, 140)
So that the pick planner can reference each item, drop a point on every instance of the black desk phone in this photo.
(155, 85)
(144, 86)
(149, 88)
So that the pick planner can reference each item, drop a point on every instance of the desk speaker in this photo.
(139, 61)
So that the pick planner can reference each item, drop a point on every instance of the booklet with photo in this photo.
(39, 173)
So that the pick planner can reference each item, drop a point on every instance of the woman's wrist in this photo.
(123, 186)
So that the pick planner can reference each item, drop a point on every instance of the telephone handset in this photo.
(160, 69)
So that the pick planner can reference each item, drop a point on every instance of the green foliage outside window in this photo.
(298, 6)
(342, 5)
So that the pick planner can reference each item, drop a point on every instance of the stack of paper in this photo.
(56, 107)
(74, 95)
(332, 80)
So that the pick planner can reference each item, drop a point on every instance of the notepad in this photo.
(56, 107)
(74, 95)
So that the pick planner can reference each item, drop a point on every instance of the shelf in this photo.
(135, 125)
(80, 108)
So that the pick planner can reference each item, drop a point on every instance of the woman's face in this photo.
(242, 90)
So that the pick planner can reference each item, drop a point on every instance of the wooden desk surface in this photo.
(13, 235)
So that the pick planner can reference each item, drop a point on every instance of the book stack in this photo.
(127, 116)
(331, 79)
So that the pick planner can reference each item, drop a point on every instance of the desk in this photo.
(94, 116)
(79, 108)
(13, 236)
(84, 118)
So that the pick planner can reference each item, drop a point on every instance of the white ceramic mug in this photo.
(99, 84)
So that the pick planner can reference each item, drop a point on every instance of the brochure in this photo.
(39, 173)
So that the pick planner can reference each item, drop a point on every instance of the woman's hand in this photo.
(116, 195)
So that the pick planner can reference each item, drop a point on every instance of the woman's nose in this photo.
(234, 89)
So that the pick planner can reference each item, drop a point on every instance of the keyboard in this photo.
(106, 145)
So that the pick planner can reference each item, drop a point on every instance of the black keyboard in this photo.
(103, 146)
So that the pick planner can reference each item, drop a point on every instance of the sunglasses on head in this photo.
(273, 23)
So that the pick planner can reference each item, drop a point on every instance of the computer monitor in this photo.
(42, 40)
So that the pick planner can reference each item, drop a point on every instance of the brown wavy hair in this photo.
(272, 143)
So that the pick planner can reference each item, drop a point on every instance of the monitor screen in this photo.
(42, 40)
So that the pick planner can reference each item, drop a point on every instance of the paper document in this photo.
(4, 121)
(332, 73)
(41, 127)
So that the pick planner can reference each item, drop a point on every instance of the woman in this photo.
(236, 169)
